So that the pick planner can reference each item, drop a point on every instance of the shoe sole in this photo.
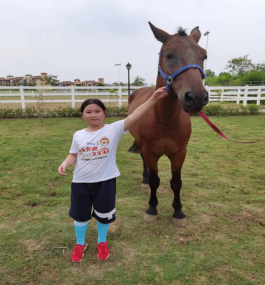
(103, 259)
(82, 256)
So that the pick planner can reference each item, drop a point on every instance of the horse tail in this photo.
(134, 148)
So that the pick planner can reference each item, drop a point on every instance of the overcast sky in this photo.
(84, 39)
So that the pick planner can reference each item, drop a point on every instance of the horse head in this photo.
(182, 53)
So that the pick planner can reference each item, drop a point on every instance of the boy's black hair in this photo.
(92, 101)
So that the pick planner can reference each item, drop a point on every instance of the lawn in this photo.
(223, 196)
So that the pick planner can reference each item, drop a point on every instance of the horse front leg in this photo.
(179, 219)
(151, 214)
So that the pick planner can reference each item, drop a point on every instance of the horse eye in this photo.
(168, 56)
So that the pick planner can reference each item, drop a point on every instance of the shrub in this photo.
(211, 110)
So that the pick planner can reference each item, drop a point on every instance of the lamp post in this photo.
(118, 64)
(128, 66)
(206, 34)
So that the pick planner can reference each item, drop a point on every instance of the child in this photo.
(94, 181)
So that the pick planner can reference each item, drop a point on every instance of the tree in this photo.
(100, 84)
(225, 74)
(260, 66)
(51, 80)
(240, 65)
(209, 73)
(138, 81)
(121, 84)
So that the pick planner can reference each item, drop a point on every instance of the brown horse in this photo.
(166, 128)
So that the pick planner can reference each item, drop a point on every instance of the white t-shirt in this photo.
(96, 158)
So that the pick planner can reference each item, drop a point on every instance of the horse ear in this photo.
(196, 34)
(160, 35)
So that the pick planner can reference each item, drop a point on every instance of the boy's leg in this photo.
(102, 232)
(80, 231)
(104, 212)
(80, 210)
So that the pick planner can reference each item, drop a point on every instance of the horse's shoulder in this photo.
(141, 94)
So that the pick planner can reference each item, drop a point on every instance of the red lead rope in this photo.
(218, 131)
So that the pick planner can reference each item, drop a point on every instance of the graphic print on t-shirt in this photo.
(93, 152)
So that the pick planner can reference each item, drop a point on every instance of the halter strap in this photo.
(169, 79)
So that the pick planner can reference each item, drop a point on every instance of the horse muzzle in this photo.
(192, 101)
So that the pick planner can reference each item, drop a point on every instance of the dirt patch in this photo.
(250, 215)
(96, 271)
(113, 227)
(176, 282)
(32, 245)
(162, 190)
(206, 219)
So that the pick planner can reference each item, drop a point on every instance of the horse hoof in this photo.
(150, 218)
(180, 223)
(145, 186)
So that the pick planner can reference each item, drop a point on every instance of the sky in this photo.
(84, 39)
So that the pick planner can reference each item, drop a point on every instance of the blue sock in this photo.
(102, 232)
(80, 231)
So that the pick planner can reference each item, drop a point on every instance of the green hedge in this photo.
(211, 110)
(59, 113)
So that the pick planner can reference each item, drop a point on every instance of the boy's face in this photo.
(93, 115)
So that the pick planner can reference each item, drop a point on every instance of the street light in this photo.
(128, 66)
(118, 64)
(206, 34)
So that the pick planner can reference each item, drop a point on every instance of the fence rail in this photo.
(237, 94)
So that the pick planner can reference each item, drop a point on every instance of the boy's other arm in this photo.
(70, 159)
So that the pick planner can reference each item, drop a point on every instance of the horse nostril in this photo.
(189, 98)
(205, 98)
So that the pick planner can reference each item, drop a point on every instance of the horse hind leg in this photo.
(151, 214)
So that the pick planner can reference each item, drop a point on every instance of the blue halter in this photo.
(169, 79)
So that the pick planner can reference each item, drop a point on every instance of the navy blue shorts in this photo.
(100, 195)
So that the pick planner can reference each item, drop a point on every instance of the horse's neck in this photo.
(167, 109)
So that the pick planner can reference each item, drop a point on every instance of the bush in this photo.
(219, 110)
(211, 110)
(60, 113)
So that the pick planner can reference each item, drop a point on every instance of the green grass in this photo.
(223, 196)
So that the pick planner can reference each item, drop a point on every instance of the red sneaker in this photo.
(78, 252)
(103, 250)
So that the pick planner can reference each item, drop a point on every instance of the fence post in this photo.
(22, 97)
(238, 96)
(120, 96)
(73, 96)
(245, 95)
(258, 96)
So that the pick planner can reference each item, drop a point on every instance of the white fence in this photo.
(236, 94)
(25, 94)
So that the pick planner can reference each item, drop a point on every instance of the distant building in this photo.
(93, 82)
(66, 83)
(28, 80)
(77, 82)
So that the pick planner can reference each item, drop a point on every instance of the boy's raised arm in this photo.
(141, 110)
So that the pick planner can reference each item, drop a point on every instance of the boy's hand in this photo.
(160, 93)
(62, 169)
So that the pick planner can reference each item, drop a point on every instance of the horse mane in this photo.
(182, 32)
